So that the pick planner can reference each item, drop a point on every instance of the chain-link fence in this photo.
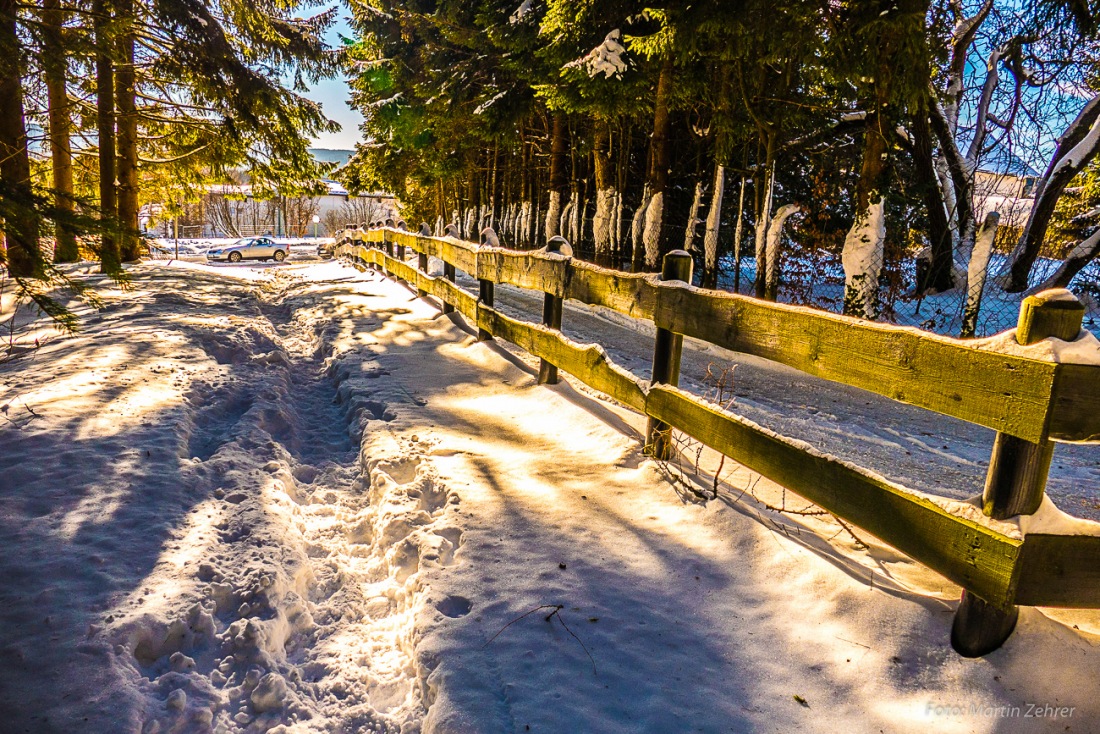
(816, 278)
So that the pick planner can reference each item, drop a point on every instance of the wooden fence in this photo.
(1028, 402)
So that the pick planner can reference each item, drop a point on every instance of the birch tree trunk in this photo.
(976, 273)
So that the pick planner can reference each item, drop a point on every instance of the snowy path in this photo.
(190, 508)
(312, 504)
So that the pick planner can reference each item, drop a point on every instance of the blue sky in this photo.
(333, 95)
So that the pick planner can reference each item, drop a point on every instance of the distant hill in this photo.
(329, 155)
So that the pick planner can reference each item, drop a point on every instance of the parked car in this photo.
(248, 248)
(326, 250)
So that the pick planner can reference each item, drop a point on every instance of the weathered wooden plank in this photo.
(966, 552)
(1000, 391)
(532, 270)
(1059, 571)
(405, 239)
(402, 270)
(587, 362)
(634, 294)
(462, 255)
(1075, 414)
(465, 303)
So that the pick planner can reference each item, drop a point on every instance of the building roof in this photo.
(1003, 161)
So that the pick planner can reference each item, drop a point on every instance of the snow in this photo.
(651, 234)
(307, 502)
(520, 13)
(1085, 349)
(862, 259)
(606, 59)
(481, 108)
(1080, 152)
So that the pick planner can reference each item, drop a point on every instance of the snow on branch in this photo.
(605, 59)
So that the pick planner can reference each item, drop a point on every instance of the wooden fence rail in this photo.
(1029, 402)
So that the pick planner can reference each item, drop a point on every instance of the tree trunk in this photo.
(128, 184)
(862, 260)
(710, 238)
(559, 176)
(1085, 252)
(693, 217)
(21, 220)
(605, 193)
(976, 273)
(637, 232)
(775, 236)
(763, 216)
(939, 276)
(863, 246)
(660, 154)
(105, 126)
(1077, 147)
(737, 232)
(54, 69)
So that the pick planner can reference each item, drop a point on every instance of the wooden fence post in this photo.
(1017, 475)
(666, 357)
(449, 274)
(551, 313)
(485, 295)
(421, 256)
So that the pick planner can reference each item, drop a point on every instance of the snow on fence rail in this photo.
(1029, 401)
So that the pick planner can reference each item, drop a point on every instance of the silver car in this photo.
(248, 248)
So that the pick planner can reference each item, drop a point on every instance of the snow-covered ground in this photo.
(298, 499)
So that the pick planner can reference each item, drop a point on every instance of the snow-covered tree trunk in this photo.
(976, 273)
(601, 225)
(439, 226)
(1077, 147)
(559, 177)
(566, 214)
(710, 238)
(693, 217)
(775, 238)
(1081, 255)
(575, 222)
(651, 235)
(637, 231)
(761, 237)
(617, 223)
(738, 230)
(525, 223)
(862, 260)
(553, 215)
(471, 221)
